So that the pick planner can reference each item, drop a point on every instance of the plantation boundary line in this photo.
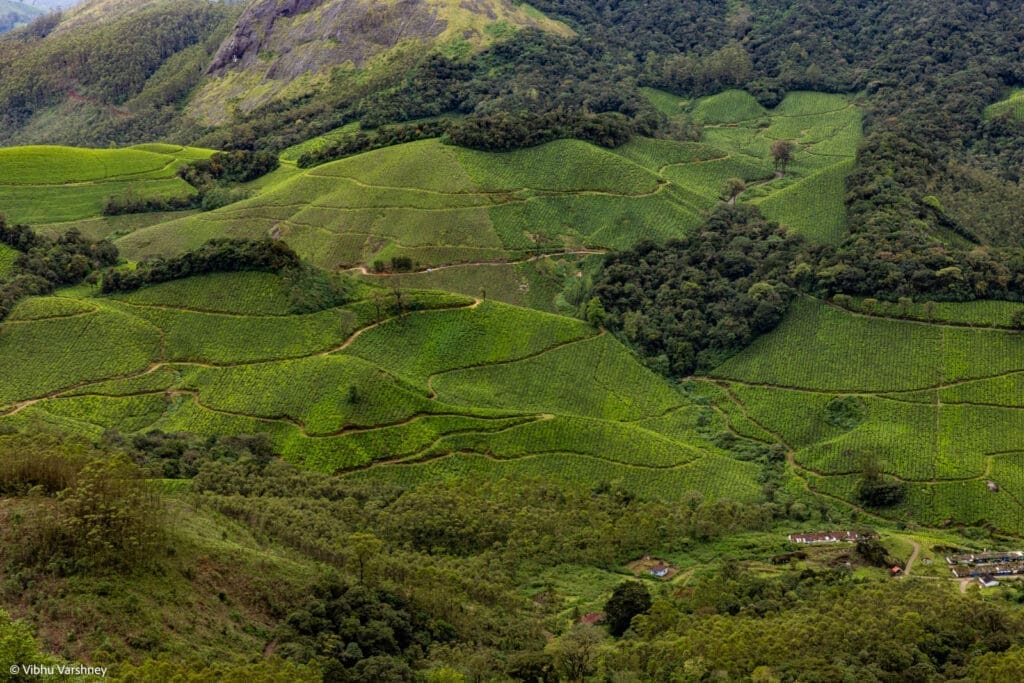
(227, 314)
(486, 193)
(405, 462)
(430, 378)
(17, 406)
(916, 321)
(50, 317)
(344, 431)
(877, 393)
(424, 454)
(363, 270)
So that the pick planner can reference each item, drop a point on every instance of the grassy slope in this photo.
(503, 388)
(212, 599)
(47, 184)
(350, 41)
(940, 404)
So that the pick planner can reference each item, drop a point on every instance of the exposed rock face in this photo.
(300, 36)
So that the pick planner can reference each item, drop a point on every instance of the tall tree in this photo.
(782, 154)
(629, 599)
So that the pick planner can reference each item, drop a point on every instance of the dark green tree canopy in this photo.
(629, 599)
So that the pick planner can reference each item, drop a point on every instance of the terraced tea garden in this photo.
(937, 404)
(463, 381)
(453, 384)
(485, 218)
(48, 184)
(1012, 106)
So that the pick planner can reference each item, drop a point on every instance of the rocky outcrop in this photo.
(300, 36)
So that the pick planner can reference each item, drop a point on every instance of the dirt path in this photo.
(530, 356)
(469, 264)
(913, 557)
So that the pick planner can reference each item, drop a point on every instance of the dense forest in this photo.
(689, 303)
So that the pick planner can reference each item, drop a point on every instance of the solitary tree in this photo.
(734, 187)
(874, 489)
(782, 154)
(362, 548)
(629, 599)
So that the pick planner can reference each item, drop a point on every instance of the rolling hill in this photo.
(514, 223)
(58, 184)
(491, 388)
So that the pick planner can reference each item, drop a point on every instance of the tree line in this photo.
(220, 255)
(44, 263)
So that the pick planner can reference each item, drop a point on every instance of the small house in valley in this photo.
(652, 566)
(660, 570)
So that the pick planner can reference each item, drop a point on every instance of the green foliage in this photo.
(18, 646)
(846, 412)
(273, 670)
(693, 302)
(106, 62)
(44, 263)
(104, 516)
(214, 256)
(629, 599)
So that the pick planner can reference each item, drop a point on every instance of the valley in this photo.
(437, 342)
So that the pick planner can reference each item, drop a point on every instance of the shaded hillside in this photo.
(288, 47)
(78, 77)
(14, 14)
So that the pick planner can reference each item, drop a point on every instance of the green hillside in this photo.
(935, 403)
(809, 199)
(470, 219)
(441, 205)
(490, 387)
(48, 184)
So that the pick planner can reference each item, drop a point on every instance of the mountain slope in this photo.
(289, 46)
(126, 69)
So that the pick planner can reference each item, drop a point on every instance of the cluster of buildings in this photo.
(826, 537)
(987, 566)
